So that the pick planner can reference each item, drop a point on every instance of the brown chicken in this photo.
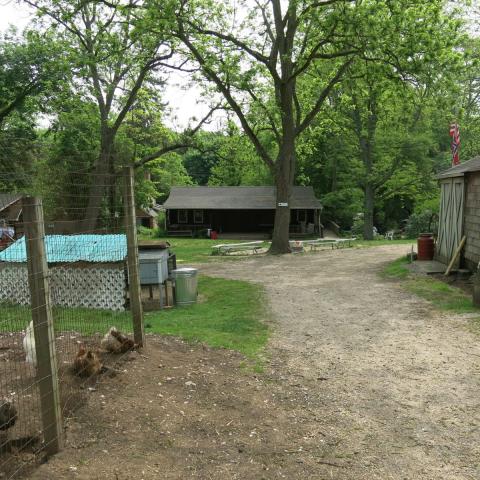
(86, 363)
(126, 343)
(8, 415)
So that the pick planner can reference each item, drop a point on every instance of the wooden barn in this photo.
(190, 210)
(460, 214)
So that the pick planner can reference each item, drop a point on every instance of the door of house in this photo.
(450, 222)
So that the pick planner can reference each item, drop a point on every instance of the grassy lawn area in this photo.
(230, 314)
(382, 241)
(199, 250)
(14, 318)
(194, 250)
(443, 296)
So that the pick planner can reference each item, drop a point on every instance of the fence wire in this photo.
(86, 252)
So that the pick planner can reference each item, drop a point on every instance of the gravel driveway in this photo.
(392, 387)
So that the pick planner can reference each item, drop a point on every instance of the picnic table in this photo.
(329, 242)
(226, 248)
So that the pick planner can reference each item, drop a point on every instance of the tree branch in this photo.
(186, 141)
(213, 77)
(319, 103)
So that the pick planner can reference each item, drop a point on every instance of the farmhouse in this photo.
(237, 210)
(460, 213)
(85, 271)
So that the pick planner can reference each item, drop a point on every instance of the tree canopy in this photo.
(352, 98)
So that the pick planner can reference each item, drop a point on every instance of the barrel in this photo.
(425, 246)
(186, 285)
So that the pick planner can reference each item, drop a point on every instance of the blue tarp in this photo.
(73, 248)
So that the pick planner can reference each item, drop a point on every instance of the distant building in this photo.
(238, 210)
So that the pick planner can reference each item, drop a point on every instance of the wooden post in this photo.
(47, 373)
(455, 256)
(132, 259)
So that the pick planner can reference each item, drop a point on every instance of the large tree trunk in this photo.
(283, 182)
(368, 211)
(100, 180)
(281, 228)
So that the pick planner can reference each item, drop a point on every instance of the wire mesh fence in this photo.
(69, 302)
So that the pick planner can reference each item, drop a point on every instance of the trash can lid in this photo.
(185, 271)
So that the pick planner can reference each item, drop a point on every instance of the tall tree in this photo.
(32, 66)
(112, 63)
(256, 54)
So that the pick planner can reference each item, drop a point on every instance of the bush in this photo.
(424, 222)
(357, 227)
(145, 231)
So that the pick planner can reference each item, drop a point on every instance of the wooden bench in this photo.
(226, 248)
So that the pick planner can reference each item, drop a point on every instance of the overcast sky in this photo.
(185, 103)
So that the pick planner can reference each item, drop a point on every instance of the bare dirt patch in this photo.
(187, 411)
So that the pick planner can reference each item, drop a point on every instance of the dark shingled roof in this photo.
(7, 199)
(237, 198)
(472, 165)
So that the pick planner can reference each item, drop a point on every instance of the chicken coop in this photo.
(85, 271)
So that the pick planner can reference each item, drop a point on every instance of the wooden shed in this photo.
(11, 212)
(238, 210)
(460, 213)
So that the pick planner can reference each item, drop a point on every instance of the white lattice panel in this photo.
(91, 287)
(14, 284)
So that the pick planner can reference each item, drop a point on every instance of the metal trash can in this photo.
(186, 285)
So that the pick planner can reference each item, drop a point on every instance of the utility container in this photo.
(186, 285)
(425, 246)
(153, 266)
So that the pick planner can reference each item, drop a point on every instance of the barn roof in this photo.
(237, 198)
(6, 199)
(73, 248)
(472, 165)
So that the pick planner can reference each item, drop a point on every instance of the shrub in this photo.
(424, 222)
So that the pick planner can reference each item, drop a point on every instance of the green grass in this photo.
(397, 269)
(443, 296)
(194, 250)
(382, 241)
(231, 314)
(14, 318)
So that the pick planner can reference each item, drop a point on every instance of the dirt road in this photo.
(363, 381)
(393, 385)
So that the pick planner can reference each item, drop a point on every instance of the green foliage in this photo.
(229, 314)
(425, 222)
(238, 163)
(357, 226)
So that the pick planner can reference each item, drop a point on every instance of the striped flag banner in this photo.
(455, 134)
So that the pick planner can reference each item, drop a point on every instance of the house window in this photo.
(198, 216)
(183, 216)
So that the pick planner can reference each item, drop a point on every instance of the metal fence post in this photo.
(47, 372)
(132, 258)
